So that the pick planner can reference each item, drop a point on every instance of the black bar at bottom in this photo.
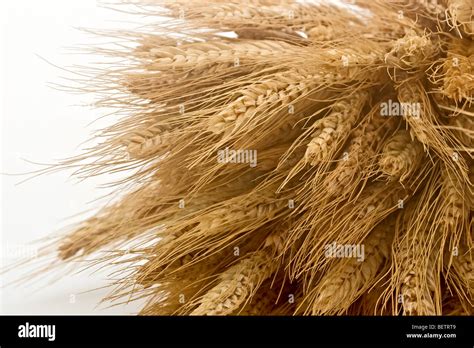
(243, 331)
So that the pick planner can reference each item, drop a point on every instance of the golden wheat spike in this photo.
(263, 302)
(400, 156)
(348, 279)
(461, 16)
(458, 71)
(332, 130)
(236, 285)
(364, 144)
(282, 89)
(418, 281)
(413, 51)
(417, 254)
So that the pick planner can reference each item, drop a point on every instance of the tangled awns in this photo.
(286, 158)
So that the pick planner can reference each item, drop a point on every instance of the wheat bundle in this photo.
(318, 162)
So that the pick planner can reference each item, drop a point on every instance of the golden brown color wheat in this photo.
(401, 156)
(245, 156)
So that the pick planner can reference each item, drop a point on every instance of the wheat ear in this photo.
(416, 295)
(235, 16)
(364, 144)
(347, 280)
(237, 284)
(263, 302)
(463, 265)
(331, 130)
(400, 156)
(240, 282)
(461, 13)
(454, 208)
(458, 70)
(413, 51)
(148, 141)
(280, 90)
(416, 261)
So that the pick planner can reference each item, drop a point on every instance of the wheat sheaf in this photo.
(288, 158)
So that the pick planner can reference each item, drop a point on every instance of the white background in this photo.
(40, 124)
